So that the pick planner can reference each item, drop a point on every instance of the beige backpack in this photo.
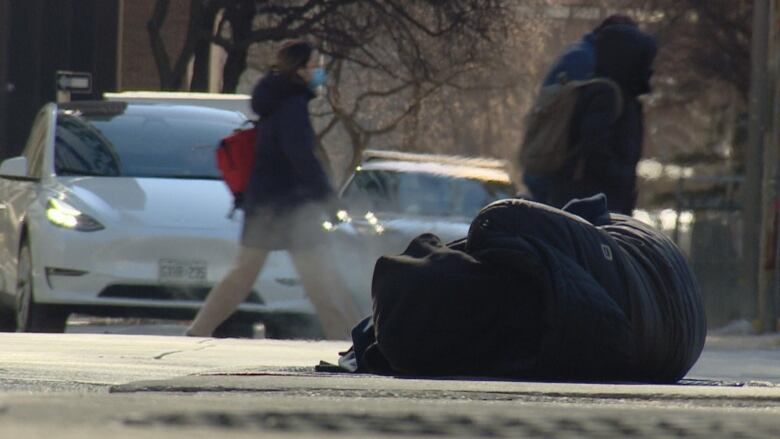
(545, 147)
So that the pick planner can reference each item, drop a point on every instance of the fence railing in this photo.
(706, 222)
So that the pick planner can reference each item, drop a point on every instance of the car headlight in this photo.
(64, 215)
(342, 217)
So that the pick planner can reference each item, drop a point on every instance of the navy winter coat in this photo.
(284, 203)
(577, 62)
(610, 150)
(287, 173)
(536, 292)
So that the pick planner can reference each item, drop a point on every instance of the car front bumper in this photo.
(122, 268)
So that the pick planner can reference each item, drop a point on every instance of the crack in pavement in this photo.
(199, 348)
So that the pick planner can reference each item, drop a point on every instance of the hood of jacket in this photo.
(625, 54)
(273, 89)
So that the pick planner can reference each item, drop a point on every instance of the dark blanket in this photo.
(535, 292)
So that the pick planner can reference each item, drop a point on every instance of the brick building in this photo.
(137, 69)
(106, 38)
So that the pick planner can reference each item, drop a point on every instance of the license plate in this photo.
(179, 271)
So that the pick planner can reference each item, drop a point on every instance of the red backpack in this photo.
(235, 159)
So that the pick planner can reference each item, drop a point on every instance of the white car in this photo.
(406, 194)
(224, 101)
(394, 197)
(118, 208)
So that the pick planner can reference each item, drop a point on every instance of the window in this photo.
(138, 144)
(420, 193)
(80, 149)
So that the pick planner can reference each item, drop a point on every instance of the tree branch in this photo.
(159, 51)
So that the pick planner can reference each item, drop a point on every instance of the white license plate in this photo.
(189, 271)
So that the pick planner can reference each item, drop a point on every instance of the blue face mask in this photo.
(318, 78)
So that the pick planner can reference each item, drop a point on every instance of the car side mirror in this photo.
(14, 167)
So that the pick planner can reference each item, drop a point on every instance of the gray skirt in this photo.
(290, 229)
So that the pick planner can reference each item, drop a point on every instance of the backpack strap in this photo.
(579, 166)
(616, 92)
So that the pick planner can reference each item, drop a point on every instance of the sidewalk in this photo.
(743, 342)
(739, 334)
(182, 387)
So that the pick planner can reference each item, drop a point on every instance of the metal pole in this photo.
(120, 38)
(763, 159)
(678, 196)
(773, 144)
(5, 86)
(751, 189)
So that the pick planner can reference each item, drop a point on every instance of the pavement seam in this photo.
(199, 348)
(141, 387)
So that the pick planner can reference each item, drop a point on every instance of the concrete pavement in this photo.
(150, 386)
(107, 359)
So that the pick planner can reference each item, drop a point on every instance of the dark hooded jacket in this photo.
(609, 149)
(577, 62)
(289, 185)
(535, 292)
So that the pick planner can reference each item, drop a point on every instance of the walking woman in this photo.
(288, 195)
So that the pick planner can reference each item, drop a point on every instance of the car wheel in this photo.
(32, 316)
(235, 327)
(295, 326)
(7, 320)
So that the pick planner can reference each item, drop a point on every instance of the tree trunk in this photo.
(159, 52)
(173, 77)
(240, 15)
(202, 57)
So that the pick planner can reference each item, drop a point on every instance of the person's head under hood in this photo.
(299, 61)
(296, 70)
(625, 54)
(616, 19)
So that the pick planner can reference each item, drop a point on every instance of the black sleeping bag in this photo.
(535, 292)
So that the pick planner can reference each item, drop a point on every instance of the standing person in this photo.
(608, 149)
(577, 62)
(288, 196)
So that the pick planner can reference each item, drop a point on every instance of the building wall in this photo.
(39, 39)
(5, 10)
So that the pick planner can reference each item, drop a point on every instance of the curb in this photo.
(743, 342)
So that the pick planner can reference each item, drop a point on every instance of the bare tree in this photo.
(696, 112)
(459, 95)
(206, 22)
(708, 48)
(172, 72)
(392, 62)
(704, 39)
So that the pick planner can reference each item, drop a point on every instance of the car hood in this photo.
(154, 202)
(409, 226)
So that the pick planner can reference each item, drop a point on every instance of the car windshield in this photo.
(140, 144)
(419, 193)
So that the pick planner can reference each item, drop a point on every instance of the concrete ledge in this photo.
(281, 383)
(742, 342)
